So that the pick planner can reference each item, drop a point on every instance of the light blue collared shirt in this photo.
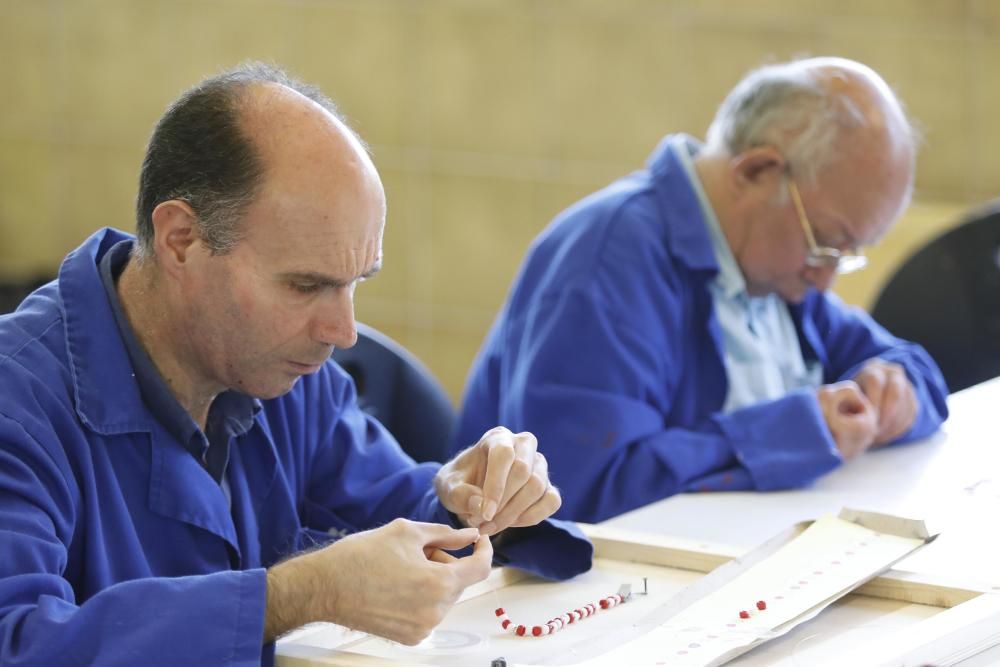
(763, 357)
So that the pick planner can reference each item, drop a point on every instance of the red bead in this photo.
(519, 631)
(499, 611)
(604, 604)
(506, 623)
(537, 631)
(744, 614)
(761, 605)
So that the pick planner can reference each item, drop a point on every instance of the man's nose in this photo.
(334, 324)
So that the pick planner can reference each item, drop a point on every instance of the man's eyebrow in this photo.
(375, 268)
(324, 280)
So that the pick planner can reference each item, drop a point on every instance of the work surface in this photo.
(952, 480)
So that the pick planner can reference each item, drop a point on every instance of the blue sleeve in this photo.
(599, 389)
(358, 477)
(215, 619)
(850, 338)
(360, 474)
(552, 549)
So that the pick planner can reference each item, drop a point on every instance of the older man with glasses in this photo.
(674, 331)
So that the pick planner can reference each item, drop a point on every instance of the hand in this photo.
(394, 582)
(500, 482)
(889, 390)
(850, 416)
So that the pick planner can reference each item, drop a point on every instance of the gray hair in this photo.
(788, 106)
(199, 153)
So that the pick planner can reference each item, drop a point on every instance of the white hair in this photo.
(789, 107)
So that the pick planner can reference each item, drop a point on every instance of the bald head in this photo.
(296, 135)
(212, 147)
(815, 111)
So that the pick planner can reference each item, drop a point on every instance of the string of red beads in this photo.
(559, 622)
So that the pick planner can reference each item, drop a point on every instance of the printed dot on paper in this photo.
(694, 645)
(835, 562)
(818, 572)
(682, 652)
(803, 582)
(730, 625)
(779, 597)
(794, 587)
(849, 553)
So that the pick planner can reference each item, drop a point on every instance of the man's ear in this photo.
(175, 232)
(756, 166)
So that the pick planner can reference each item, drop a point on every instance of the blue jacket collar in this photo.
(685, 227)
(105, 392)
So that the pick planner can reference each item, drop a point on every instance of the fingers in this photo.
(900, 407)
(526, 458)
(475, 567)
(536, 500)
(445, 537)
(439, 556)
(872, 381)
(514, 480)
(885, 383)
(850, 417)
(501, 454)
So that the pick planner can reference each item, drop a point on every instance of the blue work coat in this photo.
(609, 351)
(118, 548)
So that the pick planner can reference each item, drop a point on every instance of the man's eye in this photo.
(305, 288)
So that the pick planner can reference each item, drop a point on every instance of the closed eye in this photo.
(306, 288)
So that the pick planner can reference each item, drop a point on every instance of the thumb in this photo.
(476, 566)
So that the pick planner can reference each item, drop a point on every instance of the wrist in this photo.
(291, 597)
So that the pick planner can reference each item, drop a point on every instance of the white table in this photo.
(951, 479)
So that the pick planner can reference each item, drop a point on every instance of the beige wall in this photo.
(486, 117)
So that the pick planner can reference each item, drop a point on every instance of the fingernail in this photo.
(475, 504)
(490, 510)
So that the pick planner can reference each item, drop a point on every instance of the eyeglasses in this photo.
(824, 257)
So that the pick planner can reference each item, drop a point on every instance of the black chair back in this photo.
(946, 297)
(398, 390)
(13, 292)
